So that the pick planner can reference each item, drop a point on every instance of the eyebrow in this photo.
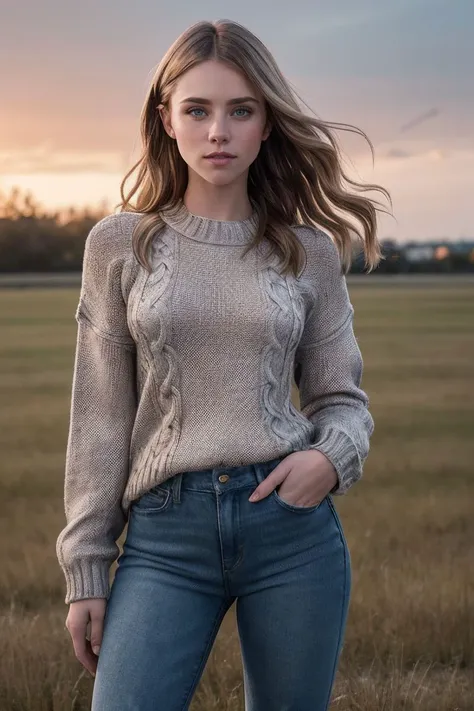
(197, 100)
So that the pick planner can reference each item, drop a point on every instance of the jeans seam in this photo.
(343, 605)
(217, 620)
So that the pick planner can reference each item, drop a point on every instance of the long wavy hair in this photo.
(297, 177)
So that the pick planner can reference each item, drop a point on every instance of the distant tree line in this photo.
(34, 239)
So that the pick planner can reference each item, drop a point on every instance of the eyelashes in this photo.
(198, 108)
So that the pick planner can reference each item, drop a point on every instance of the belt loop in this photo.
(176, 487)
(259, 473)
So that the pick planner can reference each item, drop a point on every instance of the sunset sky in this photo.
(75, 76)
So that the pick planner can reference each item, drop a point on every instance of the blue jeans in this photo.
(194, 545)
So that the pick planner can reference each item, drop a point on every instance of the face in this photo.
(216, 122)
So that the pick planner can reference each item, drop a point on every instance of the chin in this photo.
(218, 178)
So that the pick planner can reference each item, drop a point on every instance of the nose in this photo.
(219, 133)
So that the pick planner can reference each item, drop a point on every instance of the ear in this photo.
(165, 117)
(267, 131)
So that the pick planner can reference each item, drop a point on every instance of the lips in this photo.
(220, 155)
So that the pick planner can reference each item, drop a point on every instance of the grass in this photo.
(409, 523)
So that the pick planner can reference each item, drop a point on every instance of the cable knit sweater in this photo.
(191, 367)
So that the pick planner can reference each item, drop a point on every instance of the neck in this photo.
(217, 210)
(229, 203)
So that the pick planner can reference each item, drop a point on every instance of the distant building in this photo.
(419, 252)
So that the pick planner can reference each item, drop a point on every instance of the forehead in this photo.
(216, 81)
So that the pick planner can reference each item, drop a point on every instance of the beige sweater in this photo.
(191, 367)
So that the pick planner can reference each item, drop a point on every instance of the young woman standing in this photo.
(200, 302)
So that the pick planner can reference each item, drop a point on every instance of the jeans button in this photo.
(223, 478)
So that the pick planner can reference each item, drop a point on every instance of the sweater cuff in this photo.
(341, 451)
(86, 579)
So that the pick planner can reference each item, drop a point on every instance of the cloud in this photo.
(44, 159)
(398, 153)
(429, 154)
(420, 119)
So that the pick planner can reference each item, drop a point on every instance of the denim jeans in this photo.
(194, 545)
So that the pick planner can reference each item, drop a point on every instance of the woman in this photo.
(198, 305)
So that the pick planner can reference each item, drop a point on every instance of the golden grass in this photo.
(409, 523)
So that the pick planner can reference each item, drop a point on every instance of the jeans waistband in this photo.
(221, 478)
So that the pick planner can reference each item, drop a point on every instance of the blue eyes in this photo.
(196, 108)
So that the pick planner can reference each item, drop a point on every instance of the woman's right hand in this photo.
(83, 614)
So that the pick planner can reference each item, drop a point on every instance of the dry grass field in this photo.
(409, 523)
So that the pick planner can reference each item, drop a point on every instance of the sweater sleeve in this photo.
(103, 406)
(329, 370)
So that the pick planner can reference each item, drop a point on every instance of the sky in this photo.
(75, 76)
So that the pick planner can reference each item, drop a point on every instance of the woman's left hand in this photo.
(306, 477)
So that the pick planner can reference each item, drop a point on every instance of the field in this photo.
(409, 523)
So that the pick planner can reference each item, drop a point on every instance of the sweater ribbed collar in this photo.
(204, 229)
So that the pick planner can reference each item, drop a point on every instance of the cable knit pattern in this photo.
(190, 367)
(158, 361)
(285, 325)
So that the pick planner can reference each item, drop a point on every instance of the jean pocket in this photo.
(292, 507)
(155, 500)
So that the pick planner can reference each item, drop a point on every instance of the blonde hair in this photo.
(297, 177)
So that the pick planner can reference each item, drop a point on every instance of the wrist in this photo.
(330, 471)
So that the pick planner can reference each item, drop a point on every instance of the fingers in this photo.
(97, 626)
(85, 623)
(82, 648)
(270, 482)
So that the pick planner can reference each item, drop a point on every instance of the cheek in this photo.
(182, 135)
(189, 144)
(251, 137)
(186, 131)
